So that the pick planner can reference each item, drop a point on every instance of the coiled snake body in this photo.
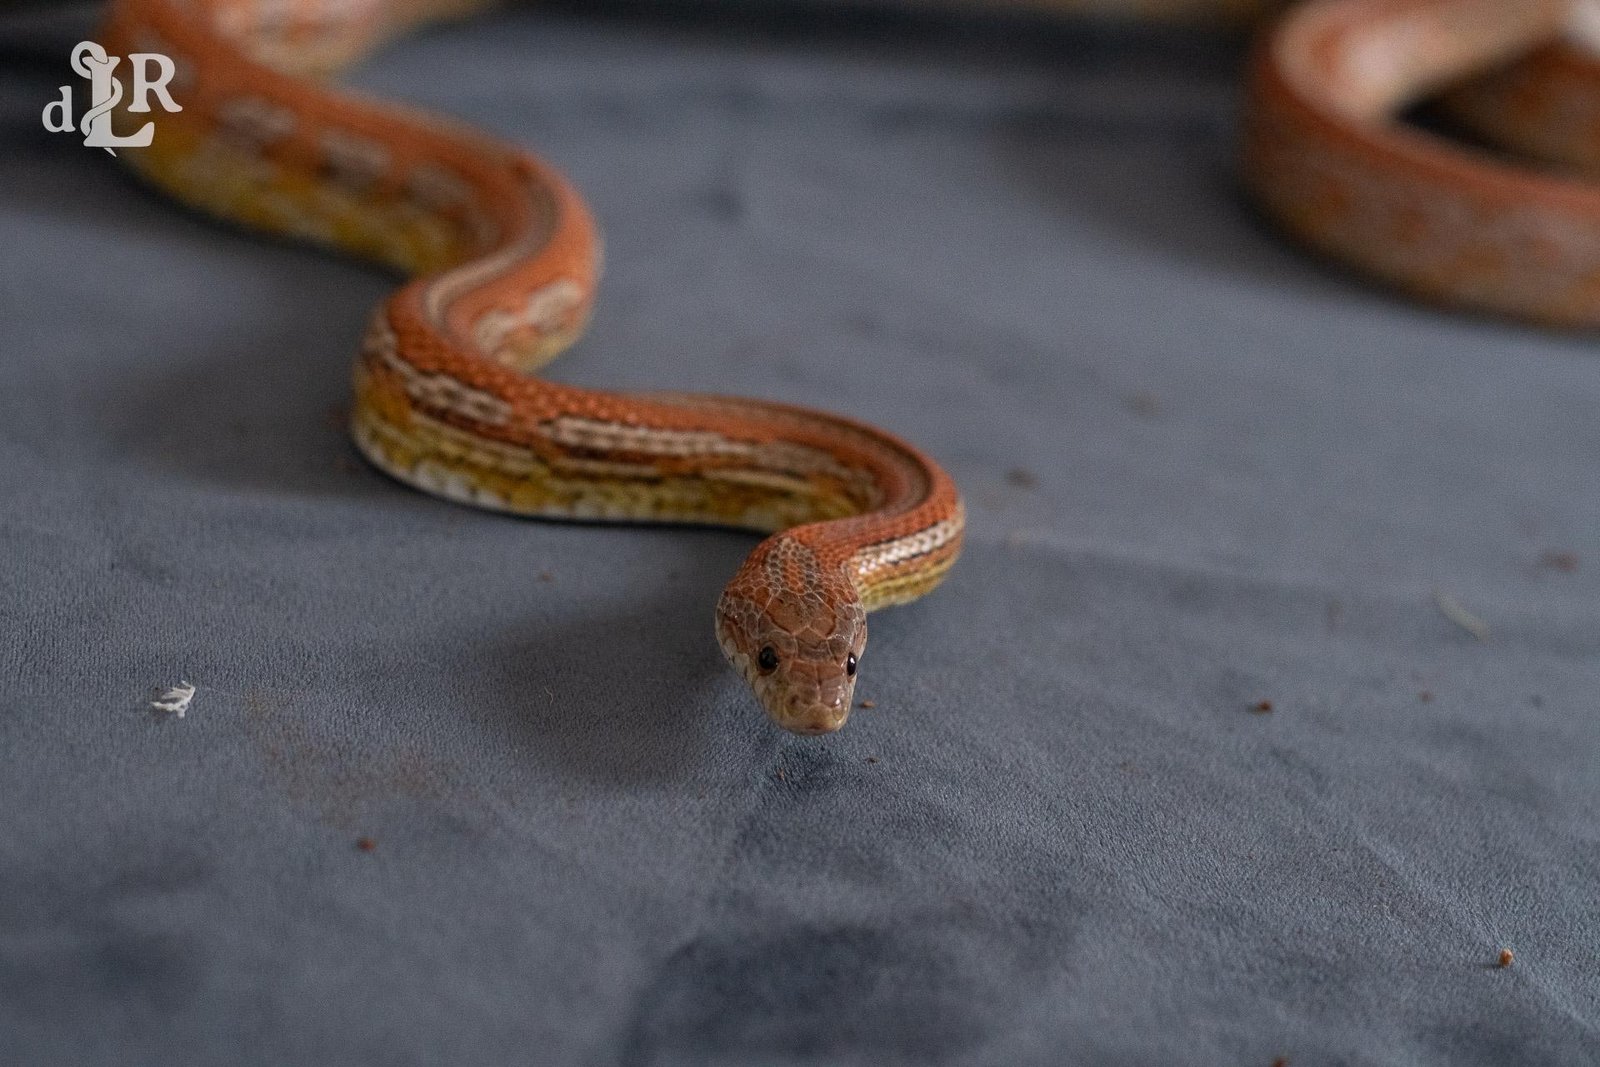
(1515, 232)
(504, 258)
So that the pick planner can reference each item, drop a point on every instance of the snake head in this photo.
(795, 628)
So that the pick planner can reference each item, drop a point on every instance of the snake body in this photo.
(1444, 221)
(503, 258)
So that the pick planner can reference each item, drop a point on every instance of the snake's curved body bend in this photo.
(504, 259)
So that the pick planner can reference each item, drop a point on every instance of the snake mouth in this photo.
(813, 720)
(814, 729)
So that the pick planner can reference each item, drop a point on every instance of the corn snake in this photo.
(505, 260)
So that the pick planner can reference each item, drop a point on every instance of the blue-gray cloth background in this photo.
(1203, 471)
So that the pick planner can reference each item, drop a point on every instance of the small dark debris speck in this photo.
(872, 759)
(1506, 956)
(1145, 405)
(1021, 478)
(1281, 1061)
(546, 576)
(781, 776)
(1426, 696)
(869, 704)
(1261, 707)
(1565, 562)
(366, 844)
(1536, 700)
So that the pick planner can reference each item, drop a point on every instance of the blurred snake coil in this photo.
(503, 258)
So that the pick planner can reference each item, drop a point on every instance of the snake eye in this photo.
(850, 665)
(767, 658)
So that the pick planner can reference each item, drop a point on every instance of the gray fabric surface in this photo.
(1202, 472)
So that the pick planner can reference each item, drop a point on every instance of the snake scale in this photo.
(503, 257)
